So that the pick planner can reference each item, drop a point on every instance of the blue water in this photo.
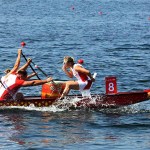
(112, 37)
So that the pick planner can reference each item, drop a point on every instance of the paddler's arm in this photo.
(68, 73)
(91, 77)
(25, 66)
(37, 82)
(85, 71)
(17, 63)
(31, 75)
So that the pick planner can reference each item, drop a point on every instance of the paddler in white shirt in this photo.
(15, 79)
(84, 77)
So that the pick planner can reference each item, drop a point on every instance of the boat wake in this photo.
(132, 109)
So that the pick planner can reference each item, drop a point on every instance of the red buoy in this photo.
(23, 44)
(80, 61)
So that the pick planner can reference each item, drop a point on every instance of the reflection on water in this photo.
(43, 129)
(11, 126)
(51, 127)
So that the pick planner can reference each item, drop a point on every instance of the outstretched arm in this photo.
(36, 82)
(17, 63)
(31, 75)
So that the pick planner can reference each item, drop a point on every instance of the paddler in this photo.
(15, 79)
(24, 67)
(84, 77)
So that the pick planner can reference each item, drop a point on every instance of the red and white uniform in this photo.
(11, 85)
(83, 80)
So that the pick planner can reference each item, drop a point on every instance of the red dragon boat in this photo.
(51, 92)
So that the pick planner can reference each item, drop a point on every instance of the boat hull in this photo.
(96, 101)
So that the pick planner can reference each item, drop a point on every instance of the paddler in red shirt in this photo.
(24, 67)
(84, 77)
(15, 79)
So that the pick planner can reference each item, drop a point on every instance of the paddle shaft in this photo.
(30, 66)
(44, 73)
(39, 69)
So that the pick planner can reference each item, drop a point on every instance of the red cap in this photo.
(80, 61)
(23, 44)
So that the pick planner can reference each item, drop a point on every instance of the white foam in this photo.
(69, 103)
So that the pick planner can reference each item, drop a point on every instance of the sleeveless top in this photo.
(11, 85)
(80, 76)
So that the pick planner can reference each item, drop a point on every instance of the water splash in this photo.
(60, 105)
(70, 104)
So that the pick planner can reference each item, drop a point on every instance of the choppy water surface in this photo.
(113, 38)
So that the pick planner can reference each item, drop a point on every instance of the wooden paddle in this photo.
(45, 74)
(39, 69)
(23, 44)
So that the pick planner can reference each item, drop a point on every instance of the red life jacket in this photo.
(11, 85)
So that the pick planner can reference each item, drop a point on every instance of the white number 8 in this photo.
(111, 87)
